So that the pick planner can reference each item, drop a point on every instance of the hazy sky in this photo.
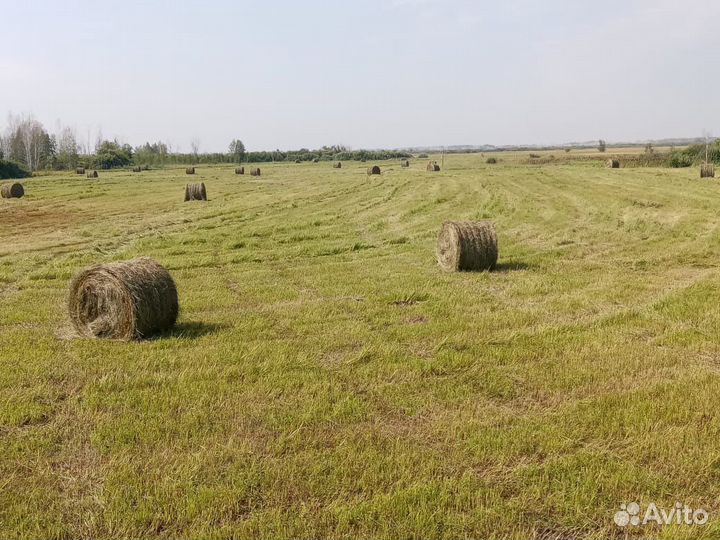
(364, 73)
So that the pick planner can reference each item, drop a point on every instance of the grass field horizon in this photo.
(327, 379)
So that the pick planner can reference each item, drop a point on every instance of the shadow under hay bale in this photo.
(137, 169)
(707, 170)
(467, 246)
(373, 170)
(125, 300)
(239, 170)
(405, 163)
(190, 170)
(12, 191)
(433, 166)
(255, 171)
(92, 174)
(337, 165)
(195, 192)
(613, 164)
(80, 170)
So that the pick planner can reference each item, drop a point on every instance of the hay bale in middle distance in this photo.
(255, 171)
(613, 164)
(80, 170)
(123, 300)
(467, 246)
(433, 166)
(707, 170)
(137, 168)
(14, 190)
(337, 165)
(373, 170)
(239, 170)
(190, 170)
(92, 174)
(195, 192)
(405, 163)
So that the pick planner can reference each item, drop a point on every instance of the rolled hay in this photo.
(12, 191)
(405, 163)
(80, 170)
(137, 169)
(373, 170)
(239, 170)
(195, 192)
(433, 166)
(124, 300)
(613, 164)
(707, 170)
(190, 170)
(92, 174)
(316, 160)
(337, 165)
(255, 171)
(297, 161)
(467, 246)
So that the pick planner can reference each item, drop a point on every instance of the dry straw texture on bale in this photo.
(433, 166)
(137, 169)
(239, 170)
(337, 165)
(373, 170)
(190, 170)
(405, 163)
(707, 170)
(92, 174)
(467, 245)
(613, 164)
(80, 170)
(124, 300)
(12, 191)
(195, 192)
(255, 171)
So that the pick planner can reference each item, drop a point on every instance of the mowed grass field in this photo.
(326, 379)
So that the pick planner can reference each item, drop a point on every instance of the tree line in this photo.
(27, 143)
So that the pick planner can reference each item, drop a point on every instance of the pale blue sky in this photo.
(282, 74)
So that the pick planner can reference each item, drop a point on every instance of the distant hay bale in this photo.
(80, 170)
(491, 161)
(373, 170)
(467, 246)
(363, 160)
(12, 191)
(337, 165)
(432, 166)
(92, 174)
(137, 169)
(124, 300)
(707, 170)
(613, 164)
(190, 170)
(255, 171)
(316, 160)
(405, 163)
(195, 192)
(297, 161)
(239, 170)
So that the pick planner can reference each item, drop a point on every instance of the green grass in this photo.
(326, 379)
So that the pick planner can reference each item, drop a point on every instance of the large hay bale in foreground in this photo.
(467, 245)
(613, 164)
(432, 166)
(92, 174)
(195, 192)
(707, 170)
(80, 170)
(337, 165)
(123, 300)
(190, 170)
(239, 170)
(255, 171)
(12, 191)
(373, 170)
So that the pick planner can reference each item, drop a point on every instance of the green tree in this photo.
(237, 150)
(601, 145)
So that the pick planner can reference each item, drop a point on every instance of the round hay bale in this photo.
(432, 166)
(80, 170)
(405, 163)
(297, 161)
(316, 160)
(239, 170)
(373, 170)
(195, 192)
(613, 164)
(707, 170)
(255, 171)
(123, 300)
(92, 174)
(137, 169)
(190, 170)
(491, 161)
(337, 165)
(12, 191)
(467, 246)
